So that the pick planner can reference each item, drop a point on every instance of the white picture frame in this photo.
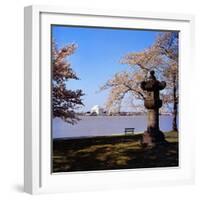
(37, 137)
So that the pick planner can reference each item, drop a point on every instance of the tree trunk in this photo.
(175, 111)
(175, 105)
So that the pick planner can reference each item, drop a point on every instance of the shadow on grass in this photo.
(113, 152)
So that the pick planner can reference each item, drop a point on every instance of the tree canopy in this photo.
(64, 100)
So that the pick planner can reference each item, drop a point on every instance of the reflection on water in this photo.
(104, 125)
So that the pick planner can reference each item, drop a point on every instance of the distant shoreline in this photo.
(119, 115)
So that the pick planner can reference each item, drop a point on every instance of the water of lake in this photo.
(105, 125)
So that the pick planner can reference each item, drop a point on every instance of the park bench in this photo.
(129, 131)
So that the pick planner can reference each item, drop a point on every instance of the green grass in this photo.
(112, 152)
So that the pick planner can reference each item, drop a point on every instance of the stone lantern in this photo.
(152, 103)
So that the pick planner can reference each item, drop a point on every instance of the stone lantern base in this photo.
(152, 139)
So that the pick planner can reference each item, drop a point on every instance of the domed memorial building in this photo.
(97, 110)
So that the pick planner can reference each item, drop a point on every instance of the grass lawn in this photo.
(112, 152)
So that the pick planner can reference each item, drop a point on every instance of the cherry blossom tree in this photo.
(166, 46)
(64, 100)
(128, 82)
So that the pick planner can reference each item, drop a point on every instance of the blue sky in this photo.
(98, 54)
